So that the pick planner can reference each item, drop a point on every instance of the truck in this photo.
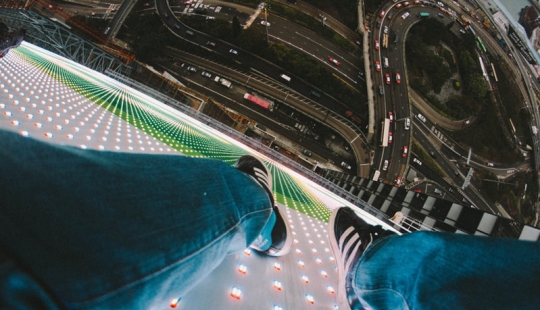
(267, 104)
(534, 130)
(223, 82)
(423, 14)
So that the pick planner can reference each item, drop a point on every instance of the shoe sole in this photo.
(334, 245)
(288, 241)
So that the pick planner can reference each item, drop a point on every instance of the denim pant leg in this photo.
(107, 230)
(428, 270)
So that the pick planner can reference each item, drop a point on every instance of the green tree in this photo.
(476, 86)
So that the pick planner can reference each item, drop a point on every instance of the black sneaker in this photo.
(281, 233)
(349, 238)
(11, 40)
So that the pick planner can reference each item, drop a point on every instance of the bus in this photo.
(258, 101)
(385, 127)
(494, 73)
(423, 14)
(376, 175)
(481, 45)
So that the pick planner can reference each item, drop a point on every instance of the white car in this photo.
(232, 51)
(405, 15)
(385, 165)
(345, 165)
(265, 23)
(416, 160)
(385, 29)
(422, 117)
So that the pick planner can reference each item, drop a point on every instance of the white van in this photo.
(407, 123)
(385, 166)
(385, 62)
(285, 77)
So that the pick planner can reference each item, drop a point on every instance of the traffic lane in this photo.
(448, 168)
(233, 99)
(299, 103)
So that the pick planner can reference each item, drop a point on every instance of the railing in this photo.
(253, 143)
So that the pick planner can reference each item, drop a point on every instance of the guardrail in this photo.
(253, 143)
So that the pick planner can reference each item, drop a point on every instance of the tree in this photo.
(476, 86)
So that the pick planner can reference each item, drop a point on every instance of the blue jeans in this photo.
(429, 270)
(106, 230)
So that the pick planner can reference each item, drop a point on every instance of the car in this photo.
(390, 116)
(387, 79)
(385, 29)
(390, 137)
(206, 74)
(93, 13)
(406, 3)
(398, 181)
(378, 66)
(265, 23)
(416, 160)
(188, 2)
(377, 45)
(334, 61)
(422, 117)
(233, 51)
(466, 122)
(398, 78)
(385, 165)
(147, 5)
(191, 69)
(211, 44)
(417, 1)
(345, 165)
(440, 4)
(417, 190)
(306, 152)
(114, 10)
(405, 15)
(381, 15)
(437, 191)
(432, 153)
(407, 123)
(404, 151)
(489, 164)
(399, 5)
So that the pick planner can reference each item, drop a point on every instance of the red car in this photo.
(382, 14)
(398, 5)
(405, 151)
(334, 61)
(390, 116)
(387, 79)
(377, 45)
(398, 78)
(378, 66)
(406, 3)
(390, 137)
(398, 181)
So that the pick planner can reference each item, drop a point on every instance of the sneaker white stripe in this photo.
(343, 252)
(261, 176)
(344, 236)
(350, 260)
(354, 241)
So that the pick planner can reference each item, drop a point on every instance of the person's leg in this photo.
(118, 230)
(430, 270)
